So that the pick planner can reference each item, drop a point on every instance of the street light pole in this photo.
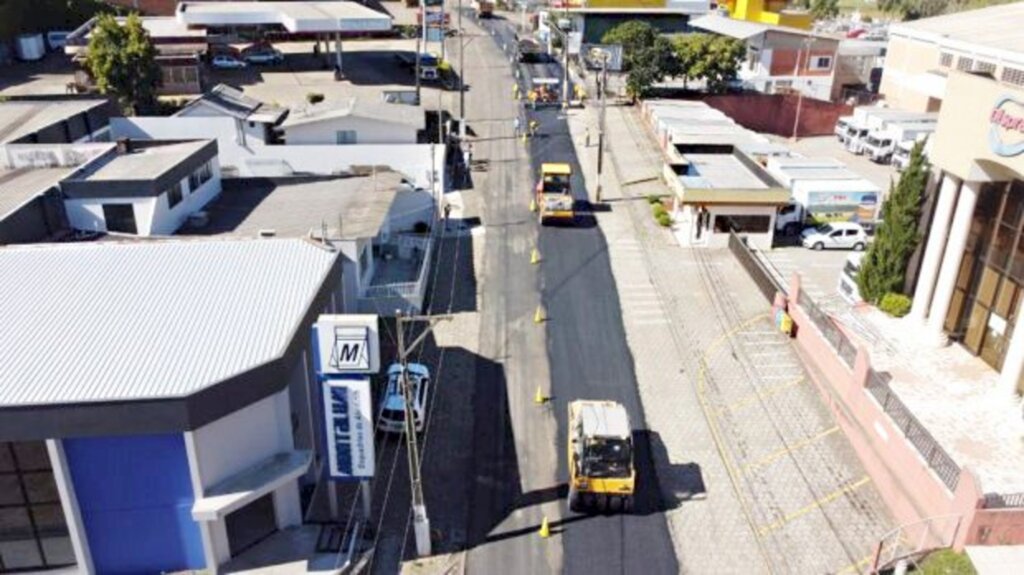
(603, 89)
(565, 58)
(423, 26)
(421, 523)
(462, 76)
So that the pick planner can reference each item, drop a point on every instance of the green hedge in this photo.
(895, 304)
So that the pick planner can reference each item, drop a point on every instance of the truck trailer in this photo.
(823, 190)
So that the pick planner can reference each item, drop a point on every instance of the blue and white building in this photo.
(159, 403)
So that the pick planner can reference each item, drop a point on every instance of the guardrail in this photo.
(912, 541)
(835, 337)
(764, 279)
(934, 455)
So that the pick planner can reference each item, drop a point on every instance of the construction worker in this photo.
(534, 124)
(515, 91)
(533, 99)
(516, 126)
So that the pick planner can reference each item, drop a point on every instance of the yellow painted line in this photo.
(715, 435)
(788, 449)
(767, 392)
(855, 567)
(816, 505)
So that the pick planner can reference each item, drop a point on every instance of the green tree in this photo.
(722, 62)
(885, 264)
(634, 36)
(690, 55)
(122, 62)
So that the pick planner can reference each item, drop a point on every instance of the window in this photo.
(821, 63)
(985, 68)
(120, 218)
(174, 195)
(1013, 76)
(945, 59)
(199, 177)
(743, 224)
(33, 532)
(965, 64)
(346, 137)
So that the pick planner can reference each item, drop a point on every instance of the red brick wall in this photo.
(783, 62)
(148, 7)
(775, 113)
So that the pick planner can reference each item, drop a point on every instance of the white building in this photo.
(255, 121)
(356, 121)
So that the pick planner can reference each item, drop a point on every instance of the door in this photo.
(120, 218)
(251, 524)
(835, 239)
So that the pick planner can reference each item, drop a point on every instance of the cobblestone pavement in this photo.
(755, 473)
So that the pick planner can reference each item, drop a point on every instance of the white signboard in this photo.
(348, 422)
(347, 344)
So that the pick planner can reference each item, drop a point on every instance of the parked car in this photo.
(57, 39)
(835, 235)
(225, 62)
(263, 56)
(392, 410)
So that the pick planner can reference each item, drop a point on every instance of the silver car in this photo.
(392, 409)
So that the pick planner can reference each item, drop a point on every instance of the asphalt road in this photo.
(588, 358)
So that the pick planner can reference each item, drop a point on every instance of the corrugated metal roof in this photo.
(148, 320)
(996, 27)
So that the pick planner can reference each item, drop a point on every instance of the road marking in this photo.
(752, 397)
(661, 321)
(788, 449)
(855, 567)
(819, 504)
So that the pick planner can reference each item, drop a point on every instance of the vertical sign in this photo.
(349, 424)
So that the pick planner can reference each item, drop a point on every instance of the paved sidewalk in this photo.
(705, 350)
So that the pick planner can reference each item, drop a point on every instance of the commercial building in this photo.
(355, 121)
(774, 12)
(922, 54)
(592, 19)
(254, 120)
(176, 427)
(971, 277)
(780, 59)
(40, 120)
(713, 167)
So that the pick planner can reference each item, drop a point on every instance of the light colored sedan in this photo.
(271, 56)
(225, 62)
(392, 411)
(835, 235)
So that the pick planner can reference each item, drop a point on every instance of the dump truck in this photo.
(600, 459)
(554, 193)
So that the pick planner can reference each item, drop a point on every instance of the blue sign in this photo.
(349, 428)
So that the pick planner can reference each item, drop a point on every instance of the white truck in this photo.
(842, 125)
(871, 118)
(823, 190)
(901, 155)
(880, 144)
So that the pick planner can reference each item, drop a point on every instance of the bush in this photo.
(314, 97)
(664, 220)
(653, 199)
(895, 304)
(947, 562)
(658, 209)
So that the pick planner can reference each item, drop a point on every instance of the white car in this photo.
(265, 56)
(225, 62)
(835, 235)
(392, 409)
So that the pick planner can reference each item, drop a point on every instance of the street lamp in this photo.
(796, 71)
(602, 88)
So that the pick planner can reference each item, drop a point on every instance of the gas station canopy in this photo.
(296, 17)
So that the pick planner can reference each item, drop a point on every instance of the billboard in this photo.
(349, 424)
(830, 206)
(347, 344)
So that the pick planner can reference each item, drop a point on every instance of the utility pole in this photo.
(602, 88)
(462, 78)
(423, 34)
(800, 93)
(421, 523)
(565, 57)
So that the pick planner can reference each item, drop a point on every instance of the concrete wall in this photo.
(775, 113)
(88, 214)
(905, 59)
(910, 489)
(368, 131)
(414, 161)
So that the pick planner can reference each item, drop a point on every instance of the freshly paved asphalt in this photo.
(588, 359)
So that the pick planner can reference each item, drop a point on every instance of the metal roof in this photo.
(234, 103)
(362, 108)
(293, 16)
(996, 27)
(20, 185)
(604, 419)
(23, 117)
(113, 321)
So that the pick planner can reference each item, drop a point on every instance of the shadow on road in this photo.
(678, 483)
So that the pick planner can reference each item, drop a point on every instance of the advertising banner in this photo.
(349, 425)
(823, 207)
(347, 344)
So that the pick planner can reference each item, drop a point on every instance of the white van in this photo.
(848, 279)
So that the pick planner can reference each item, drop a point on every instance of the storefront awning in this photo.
(250, 484)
